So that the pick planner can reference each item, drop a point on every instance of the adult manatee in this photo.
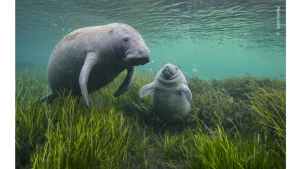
(170, 93)
(90, 58)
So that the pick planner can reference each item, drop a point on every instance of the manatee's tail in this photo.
(48, 98)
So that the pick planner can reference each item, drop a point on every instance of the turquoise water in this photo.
(209, 39)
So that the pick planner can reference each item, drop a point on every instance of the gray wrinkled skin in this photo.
(90, 58)
(170, 93)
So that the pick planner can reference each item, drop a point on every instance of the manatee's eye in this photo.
(125, 40)
(176, 68)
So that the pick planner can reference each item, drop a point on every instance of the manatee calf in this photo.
(170, 93)
(90, 58)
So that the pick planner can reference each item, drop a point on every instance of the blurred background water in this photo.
(208, 38)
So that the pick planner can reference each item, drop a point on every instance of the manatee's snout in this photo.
(168, 72)
(140, 61)
(140, 56)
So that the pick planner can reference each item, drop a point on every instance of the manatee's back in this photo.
(68, 58)
(168, 102)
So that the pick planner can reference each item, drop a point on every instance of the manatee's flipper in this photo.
(186, 91)
(91, 60)
(147, 89)
(48, 98)
(127, 82)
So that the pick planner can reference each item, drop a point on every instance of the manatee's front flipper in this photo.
(91, 60)
(147, 89)
(48, 98)
(127, 82)
(186, 91)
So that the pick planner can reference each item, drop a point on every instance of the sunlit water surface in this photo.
(208, 38)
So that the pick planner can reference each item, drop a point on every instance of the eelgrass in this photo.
(78, 141)
(270, 114)
(222, 151)
(235, 123)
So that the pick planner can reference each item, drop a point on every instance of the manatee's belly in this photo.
(169, 103)
(67, 60)
(64, 74)
(70, 80)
